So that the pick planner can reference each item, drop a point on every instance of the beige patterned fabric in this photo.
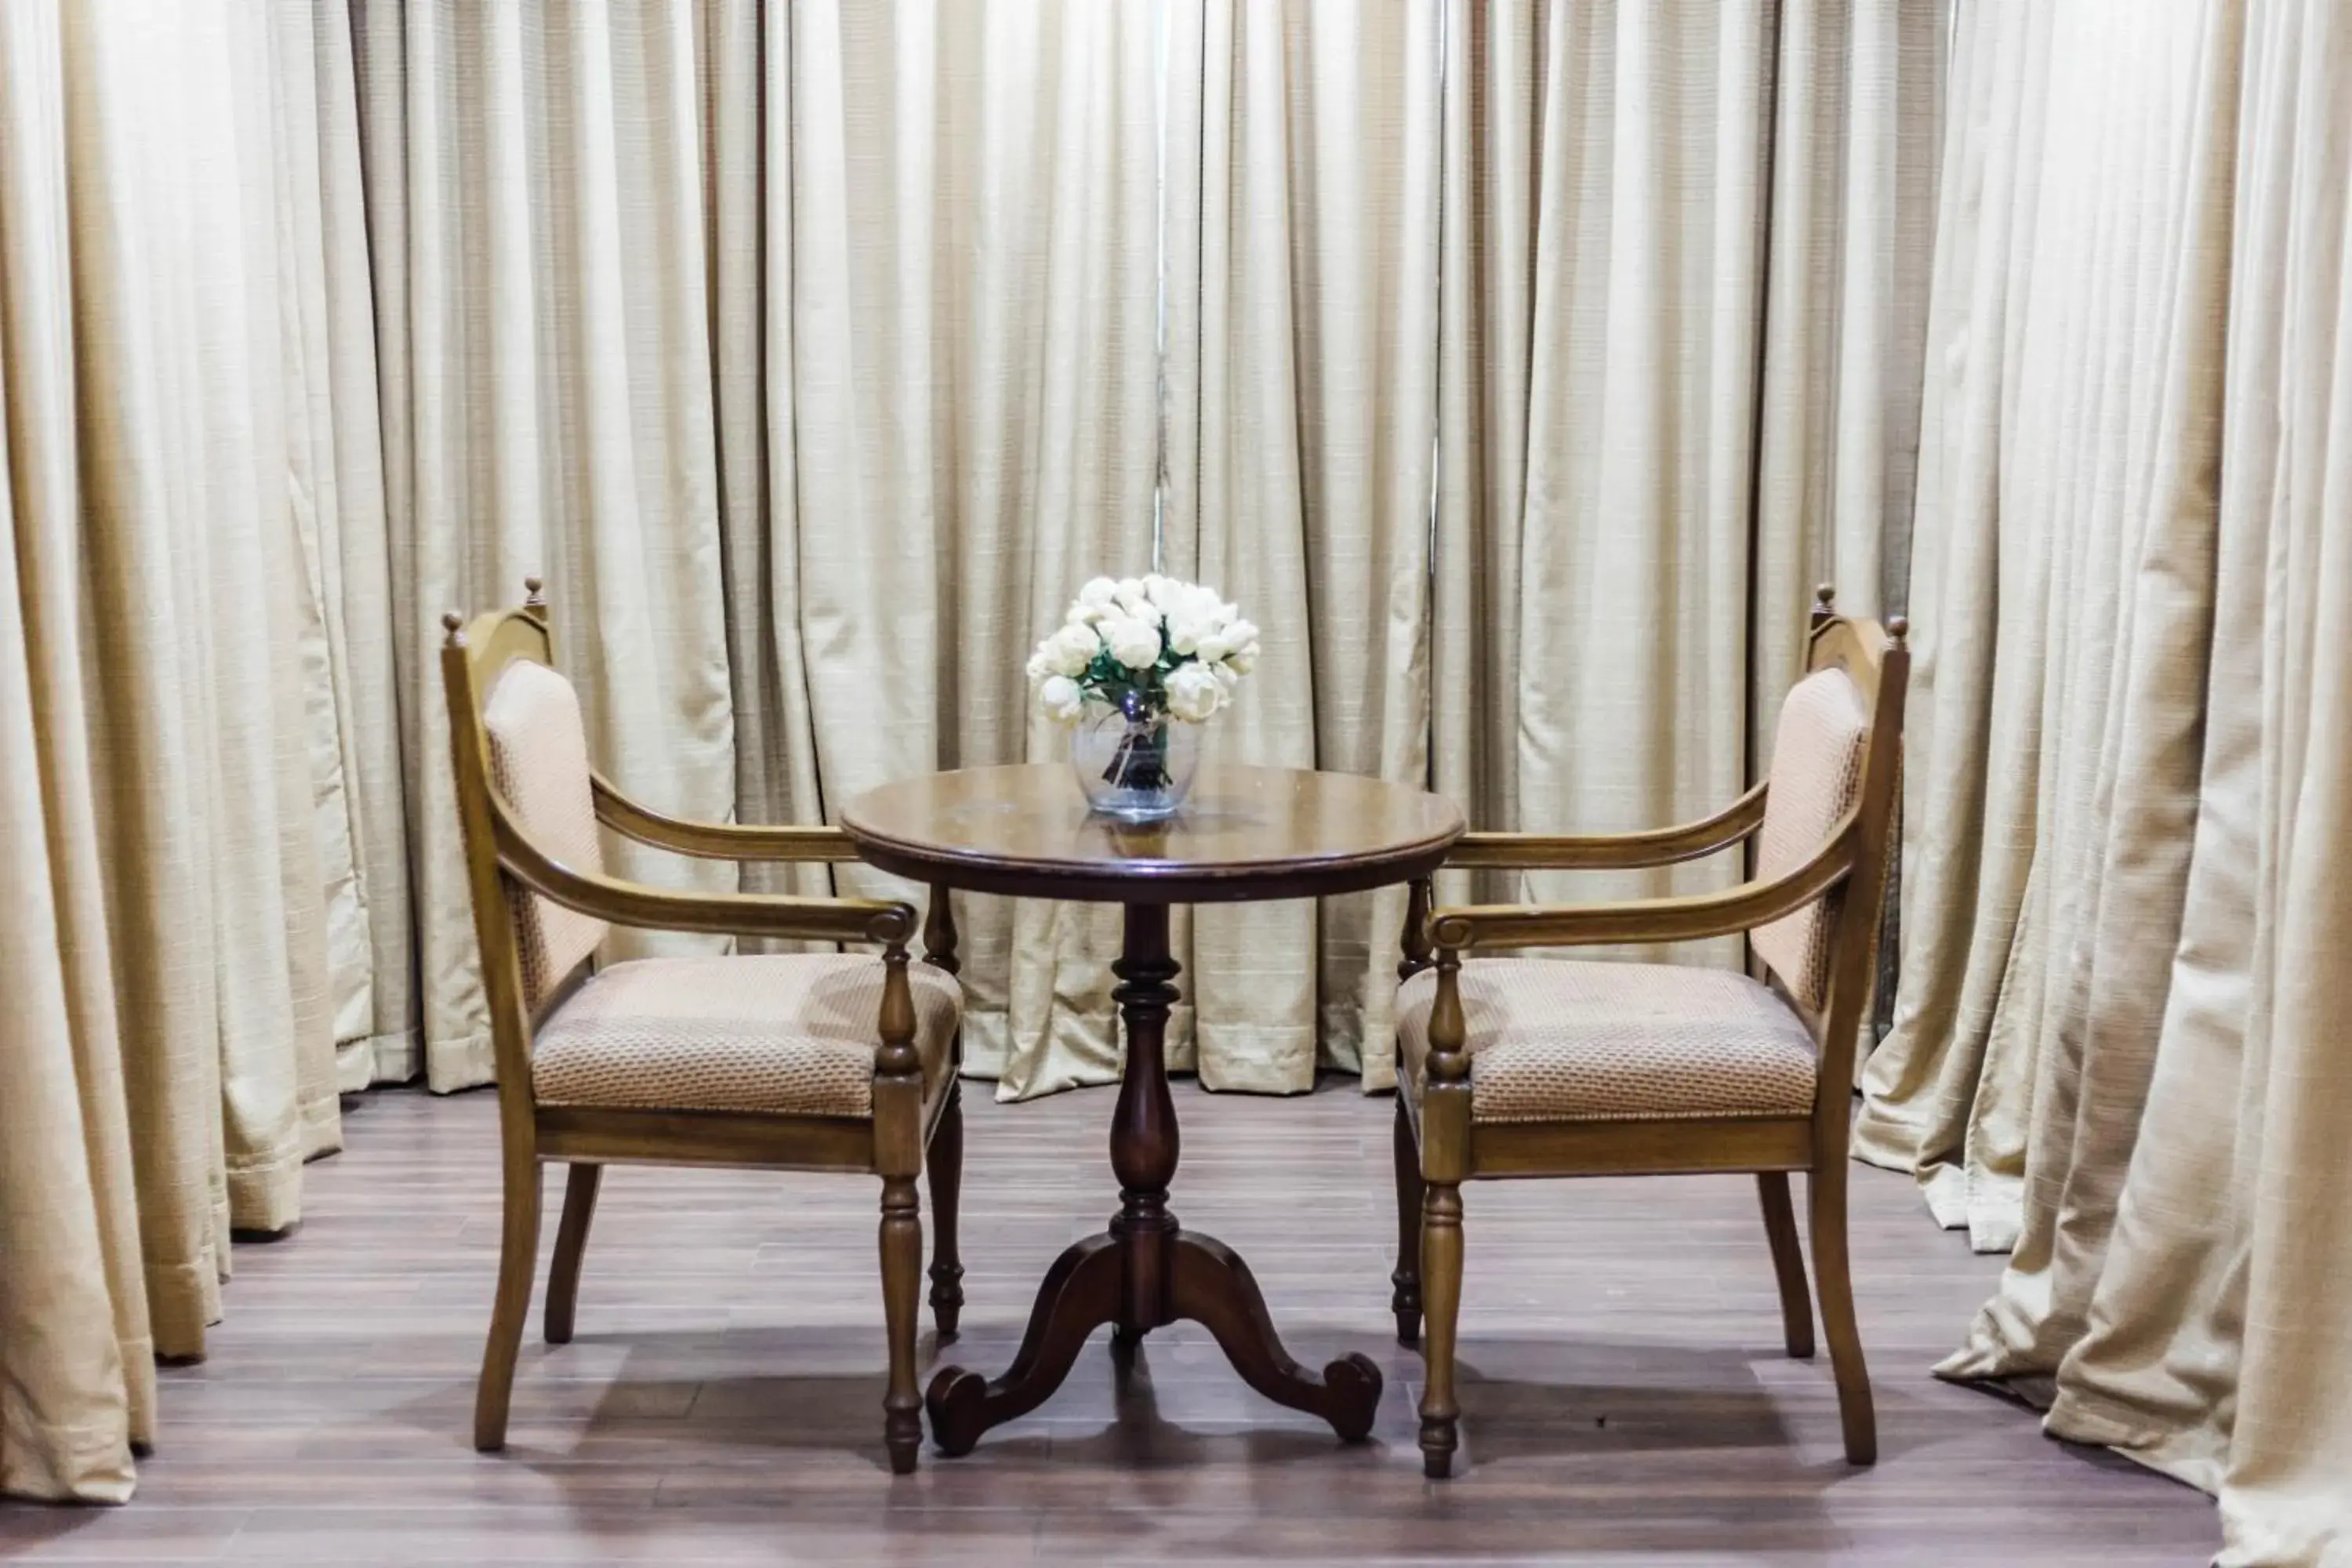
(539, 758)
(1561, 1041)
(791, 1034)
(1816, 779)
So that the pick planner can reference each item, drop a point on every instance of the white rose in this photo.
(1227, 676)
(1127, 592)
(1133, 641)
(1185, 632)
(1211, 646)
(1193, 693)
(1070, 650)
(1241, 648)
(1197, 604)
(1060, 700)
(1161, 591)
(1097, 596)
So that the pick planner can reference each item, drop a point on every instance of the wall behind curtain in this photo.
(2118, 1043)
(190, 925)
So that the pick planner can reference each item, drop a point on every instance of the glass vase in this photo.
(1136, 768)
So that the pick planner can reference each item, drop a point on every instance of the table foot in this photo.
(1080, 1294)
(1214, 1287)
(1209, 1285)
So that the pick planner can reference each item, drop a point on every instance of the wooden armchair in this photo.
(1547, 1068)
(829, 1061)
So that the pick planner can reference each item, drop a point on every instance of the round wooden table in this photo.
(1246, 834)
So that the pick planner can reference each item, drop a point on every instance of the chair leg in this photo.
(946, 1173)
(571, 1241)
(1788, 1262)
(517, 1257)
(1441, 1291)
(1826, 1188)
(1405, 1301)
(902, 1273)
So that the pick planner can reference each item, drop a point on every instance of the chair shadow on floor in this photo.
(1565, 1398)
(1524, 1400)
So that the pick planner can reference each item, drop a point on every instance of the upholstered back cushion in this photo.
(1816, 779)
(539, 758)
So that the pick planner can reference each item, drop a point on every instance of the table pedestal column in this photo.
(1145, 1271)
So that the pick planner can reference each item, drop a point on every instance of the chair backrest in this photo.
(1816, 779)
(518, 744)
(1836, 755)
(539, 762)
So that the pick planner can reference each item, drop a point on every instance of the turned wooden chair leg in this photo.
(1441, 1295)
(518, 1260)
(1788, 1262)
(946, 1173)
(1405, 1301)
(571, 1241)
(1831, 1275)
(902, 1274)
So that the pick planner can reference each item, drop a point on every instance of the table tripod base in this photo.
(1209, 1285)
(1145, 1271)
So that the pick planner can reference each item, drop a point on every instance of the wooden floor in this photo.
(1624, 1397)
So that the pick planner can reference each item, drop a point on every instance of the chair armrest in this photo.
(1592, 852)
(729, 914)
(1681, 918)
(714, 840)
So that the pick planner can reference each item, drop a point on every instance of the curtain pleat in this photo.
(1684, 245)
(2112, 1049)
(1945, 1094)
(1301, 372)
(536, 209)
(962, 215)
(77, 1355)
(182, 805)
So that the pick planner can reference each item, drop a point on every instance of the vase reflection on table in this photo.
(1138, 665)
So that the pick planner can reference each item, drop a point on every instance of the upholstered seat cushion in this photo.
(1555, 1040)
(782, 1034)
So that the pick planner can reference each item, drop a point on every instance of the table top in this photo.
(1244, 834)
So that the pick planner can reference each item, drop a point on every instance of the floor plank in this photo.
(1623, 1393)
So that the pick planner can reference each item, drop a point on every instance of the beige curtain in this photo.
(172, 764)
(1685, 252)
(1302, 383)
(2116, 1039)
(806, 349)
(335, 481)
(535, 197)
(961, 404)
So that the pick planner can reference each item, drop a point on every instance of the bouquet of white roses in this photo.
(1143, 645)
